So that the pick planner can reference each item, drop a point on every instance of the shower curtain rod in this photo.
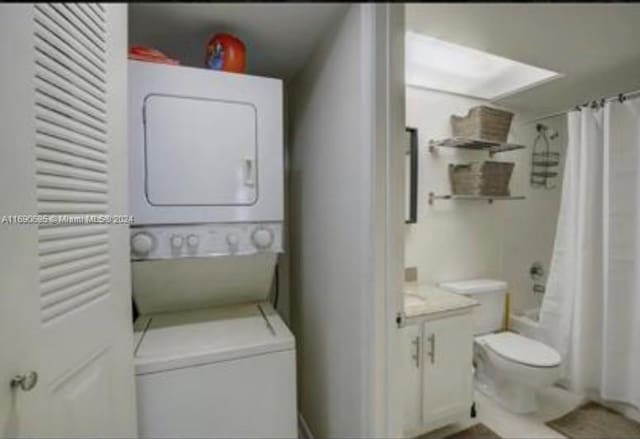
(621, 97)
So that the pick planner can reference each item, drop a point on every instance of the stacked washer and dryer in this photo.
(212, 356)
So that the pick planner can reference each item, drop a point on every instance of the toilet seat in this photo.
(520, 349)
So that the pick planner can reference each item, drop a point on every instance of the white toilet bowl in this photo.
(511, 369)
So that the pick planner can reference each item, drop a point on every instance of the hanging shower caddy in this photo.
(544, 161)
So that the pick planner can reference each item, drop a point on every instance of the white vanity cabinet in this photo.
(437, 366)
(447, 389)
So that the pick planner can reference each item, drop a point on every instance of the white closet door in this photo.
(65, 302)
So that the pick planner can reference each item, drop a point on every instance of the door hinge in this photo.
(399, 320)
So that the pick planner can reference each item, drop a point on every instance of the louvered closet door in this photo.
(65, 300)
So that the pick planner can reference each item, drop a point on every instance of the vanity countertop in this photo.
(420, 300)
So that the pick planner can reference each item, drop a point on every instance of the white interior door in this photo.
(65, 302)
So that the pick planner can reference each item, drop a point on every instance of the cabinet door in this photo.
(447, 358)
(412, 377)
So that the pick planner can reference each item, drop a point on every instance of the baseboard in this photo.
(304, 432)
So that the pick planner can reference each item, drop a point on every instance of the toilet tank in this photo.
(490, 294)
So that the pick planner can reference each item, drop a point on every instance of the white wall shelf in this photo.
(474, 144)
(488, 198)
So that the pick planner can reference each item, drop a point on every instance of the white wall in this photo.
(467, 239)
(327, 212)
(337, 163)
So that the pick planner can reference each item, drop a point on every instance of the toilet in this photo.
(510, 368)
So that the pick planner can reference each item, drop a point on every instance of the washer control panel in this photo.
(202, 240)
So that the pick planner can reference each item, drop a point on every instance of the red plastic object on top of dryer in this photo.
(226, 52)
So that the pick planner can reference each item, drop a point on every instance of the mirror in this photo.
(411, 177)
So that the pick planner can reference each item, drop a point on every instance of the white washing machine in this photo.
(212, 358)
(218, 372)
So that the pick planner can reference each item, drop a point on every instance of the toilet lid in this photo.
(521, 349)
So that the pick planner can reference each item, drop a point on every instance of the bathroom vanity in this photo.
(437, 352)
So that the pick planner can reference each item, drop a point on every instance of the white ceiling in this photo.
(279, 37)
(596, 46)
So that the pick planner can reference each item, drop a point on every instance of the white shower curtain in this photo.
(591, 309)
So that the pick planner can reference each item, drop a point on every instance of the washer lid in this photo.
(189, 338)
(475, 286)
(521, 349)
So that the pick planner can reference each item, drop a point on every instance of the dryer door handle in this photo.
(249, 172)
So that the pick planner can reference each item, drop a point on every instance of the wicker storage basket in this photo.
(484, 123)
(481, 178)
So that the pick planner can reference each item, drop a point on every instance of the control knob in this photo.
(176, 241)
(141, 243)
(262, 238)
(232, 240)
(192, 240)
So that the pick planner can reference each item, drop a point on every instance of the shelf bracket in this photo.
(489, 199)
(474, 145)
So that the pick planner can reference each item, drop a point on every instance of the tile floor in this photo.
(554, 402)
